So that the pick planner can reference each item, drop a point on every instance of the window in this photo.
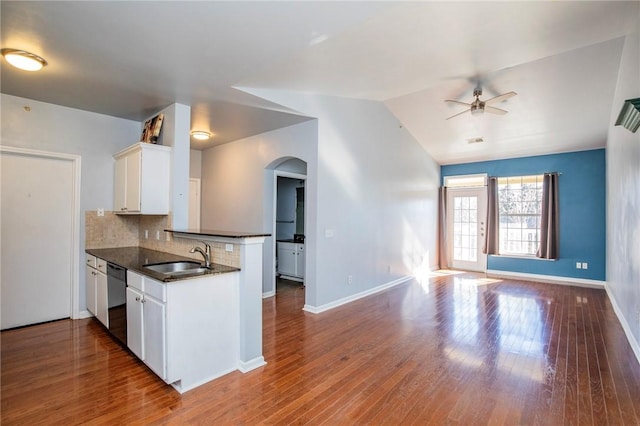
(520, 204)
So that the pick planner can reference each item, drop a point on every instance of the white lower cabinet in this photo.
(155, 334)
(102, 301)
(96, 281)
(186, 332)
(135, 322)
(91, 289)
(146, 325)
(291, 260)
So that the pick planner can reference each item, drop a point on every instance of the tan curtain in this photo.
(443, 257)
(549, 220)
(491, 239)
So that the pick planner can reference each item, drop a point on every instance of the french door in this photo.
(466, 217)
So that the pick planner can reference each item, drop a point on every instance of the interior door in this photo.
(37, 205)
(466, 216)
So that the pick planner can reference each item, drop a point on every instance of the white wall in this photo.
(195, 164)
(238, 184)
(371, 185)
(623, 198)
(95, 137)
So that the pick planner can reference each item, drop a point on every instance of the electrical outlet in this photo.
(158, 235)
(350, 279)
(228, 247)
(579, 265)
(100, 212)
(585, 265)
(146, 234)
(329, 233)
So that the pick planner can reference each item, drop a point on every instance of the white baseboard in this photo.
(292, 278)
(268, 294)
(84, 314)
(550, 279)
(635, 346)
(246, 366)
(182, 387)
(354, 297)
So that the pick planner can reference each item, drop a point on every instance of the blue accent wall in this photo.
(582, 210)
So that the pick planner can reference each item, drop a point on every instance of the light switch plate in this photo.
(585, 265)
(100, 212)
(579, 265)
(229, 248)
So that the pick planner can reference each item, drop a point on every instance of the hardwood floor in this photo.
(460, 349)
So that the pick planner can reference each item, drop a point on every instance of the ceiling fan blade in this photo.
(458, 102)
(494, 110)
(500, 98)
(460, 113)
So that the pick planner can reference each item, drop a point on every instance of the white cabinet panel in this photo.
(102, 302)
(92, 281)
(155, 336)
(135, 336)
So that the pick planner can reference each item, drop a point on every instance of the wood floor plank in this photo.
(461, 349)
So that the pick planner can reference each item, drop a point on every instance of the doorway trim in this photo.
(75, 213)
(480, 265)
(280, 173)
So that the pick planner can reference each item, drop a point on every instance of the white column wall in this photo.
(623, 198)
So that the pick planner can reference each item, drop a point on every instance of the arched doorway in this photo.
(285, 255)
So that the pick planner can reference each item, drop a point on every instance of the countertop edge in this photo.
(130, 259)
(217, 233)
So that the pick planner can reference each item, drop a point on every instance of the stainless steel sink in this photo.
(176, 268)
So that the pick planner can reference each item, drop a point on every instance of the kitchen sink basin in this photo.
(176, 268)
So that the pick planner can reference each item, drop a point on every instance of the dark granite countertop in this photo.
(216, 233)
(133, 258)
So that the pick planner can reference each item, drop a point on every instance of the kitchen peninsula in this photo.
(250, 288)
(190, 328)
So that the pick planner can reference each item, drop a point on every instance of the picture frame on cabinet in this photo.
(152, 128)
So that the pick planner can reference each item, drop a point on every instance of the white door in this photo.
(37, 215)
(194, 203)
(466, 216)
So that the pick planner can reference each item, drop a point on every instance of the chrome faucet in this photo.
(206, 253)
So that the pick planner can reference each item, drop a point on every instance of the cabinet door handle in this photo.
(143, 301)
(137, 299)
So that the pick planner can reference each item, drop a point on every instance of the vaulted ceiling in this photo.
(131, 59)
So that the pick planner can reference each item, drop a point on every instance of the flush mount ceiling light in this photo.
(201, 135)
(23, 60)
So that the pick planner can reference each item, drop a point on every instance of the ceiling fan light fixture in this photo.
(24, 60)
(200, 135)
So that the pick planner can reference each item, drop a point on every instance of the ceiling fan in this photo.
(479, 107)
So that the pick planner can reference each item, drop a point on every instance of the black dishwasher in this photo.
(117, 301)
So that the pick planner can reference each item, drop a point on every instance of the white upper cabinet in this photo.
(141, 184)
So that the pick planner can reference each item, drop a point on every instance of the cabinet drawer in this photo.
(135, 280)
(91, 260)
(155, 289)
(101, 265)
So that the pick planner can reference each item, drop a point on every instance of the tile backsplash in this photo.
(112, 230)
